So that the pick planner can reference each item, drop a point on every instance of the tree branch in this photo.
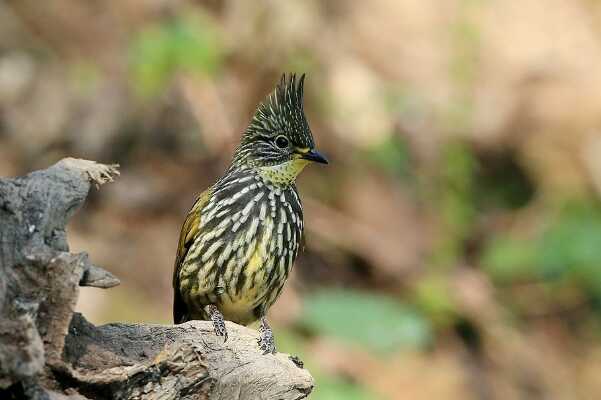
(47, 351)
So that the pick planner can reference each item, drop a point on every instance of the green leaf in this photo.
(189, 44)
(391, 155)
(433, 295)
(377, 322)
(568, 251)
(507, 259)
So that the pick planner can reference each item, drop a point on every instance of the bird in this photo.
(241, 237)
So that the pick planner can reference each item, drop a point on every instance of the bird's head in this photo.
(278, 142)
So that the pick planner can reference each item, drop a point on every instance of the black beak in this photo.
(314, 155)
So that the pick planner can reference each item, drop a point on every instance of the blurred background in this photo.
(453, 244)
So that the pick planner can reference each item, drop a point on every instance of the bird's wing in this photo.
(189, 232)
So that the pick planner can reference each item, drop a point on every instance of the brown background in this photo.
(453, 244)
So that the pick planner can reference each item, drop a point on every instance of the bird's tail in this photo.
(180, 311)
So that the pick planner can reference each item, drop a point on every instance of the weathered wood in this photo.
(48, 352)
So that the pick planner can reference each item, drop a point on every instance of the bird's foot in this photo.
(218, 321)
(297, 361)
(266, 340)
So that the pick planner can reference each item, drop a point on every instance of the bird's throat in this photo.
(283, 174)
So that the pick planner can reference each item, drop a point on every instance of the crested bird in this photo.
(241, 237)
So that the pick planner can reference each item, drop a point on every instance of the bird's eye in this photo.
(281, 142)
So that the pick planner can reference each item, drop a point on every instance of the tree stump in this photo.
(48, 352)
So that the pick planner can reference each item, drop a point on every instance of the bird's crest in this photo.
(282, 112)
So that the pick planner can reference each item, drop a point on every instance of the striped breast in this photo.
(249, 237)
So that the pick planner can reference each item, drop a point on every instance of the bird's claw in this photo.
(297, 361)
(219, 327)
(218, 322)
(266, 340)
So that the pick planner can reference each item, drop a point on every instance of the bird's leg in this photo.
(266, 340)
(217, 319)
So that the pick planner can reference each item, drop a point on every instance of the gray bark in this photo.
(47, 351)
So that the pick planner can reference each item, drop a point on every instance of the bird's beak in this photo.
(314, 155)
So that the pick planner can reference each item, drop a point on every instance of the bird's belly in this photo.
(241, 264)
(239, 309)
(244, 295)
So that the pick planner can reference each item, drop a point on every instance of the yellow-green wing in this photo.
(189, 231)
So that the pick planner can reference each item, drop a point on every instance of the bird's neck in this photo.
(280, 175)
(284, 174)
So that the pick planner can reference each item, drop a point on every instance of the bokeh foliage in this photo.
(456, 234)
